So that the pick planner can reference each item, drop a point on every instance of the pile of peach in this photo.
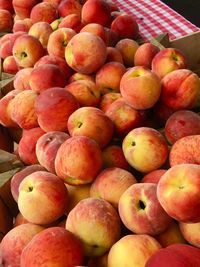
(102, 185)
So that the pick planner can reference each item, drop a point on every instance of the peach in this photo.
(47, 146)
(153, 176)
(72, 21)
(140, 87)
(168, 60)
(43, 12)
(180, 89)
(178, 192)
(89, 60)
(96, 223)
(21, 79)
(17, 239)
(55, 99)
(7, 5)
(80, 76)
(19, 176)
(6, 21)
(185, 151)
(78, 149)
(113, 54)
(145, 54)
(43, 197)
(179, 255)
(41, 30)
(22, 25)
(95, 28)
(123, 116)
(19, 219)
(10, 65)
(55, 24)
(54, 3)
(25, 116)
(27, 50)
(23, 8)
(127, 48)
(27, 144)
(67, 7)
(96, 11)
(58, 41)
(145, 149)
(108, 77)
(111, 183)
(45, 250)
(54, 77)
(107, 100)
(190, 232)
(85, 91)
(132, 250)
(91, 122)
(100, 261)
(125, 26)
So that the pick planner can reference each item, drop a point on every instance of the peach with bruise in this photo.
(168, 60)
(72, 21)
(23, 8)
(132, 250)
(145, 149)
(10, 65)
(123, 116)
(55, 99)
(17, 239)
(45, 250)
(67, 7)
(111, 183)
(107, 100)
(96, 223)
(190, 232)
(27, 144)
(58, 41)
(43, 197)
(43, 12)
(25, 116)
(78, 149)
(91, 122)
(21, 79)
(140, 87)
(96, 11)
(89, 60)
(80, 76)
(85, 91)
(153, 177)
(180, 89)
(108, 77)
(22, 25)
(113, 54)
(182, 123)
(6, 21)
(96, 29)
(178, 192)
(47, 146)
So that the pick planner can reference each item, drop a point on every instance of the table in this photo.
(154, 18)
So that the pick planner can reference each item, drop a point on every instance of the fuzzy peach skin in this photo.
(96, 11)
(185, 150)
(43, 197)
(84, 90)
(127, 48)
(145, 54)
(55, 99)
(6, 21)
(107, 100)
(41, 30)
(27, 144)
(47, 146)
(123, 116)
(145, 149)
(78, 160)
(93, 123)
(22, 25)
(25, 116)
(21, 79)
(180, 89)
(168, 60)
(89, 60)
(67, 7)
(113, 54)
(96, 223)
(108, 77)
(132, 250)
(172, 235)
(113, 156)
(72, 21)
(178, 192)
(180, 124)
(27, 50)
(153, 177)
(23, 8)
(140, 210)
(140, 87)
(43, 12)
(19, 176)
(95, 28)
(45, 250)
(15, 241)
(190, 232)
(177, 255)
(10, 65)
(111, 183)
(58, 41)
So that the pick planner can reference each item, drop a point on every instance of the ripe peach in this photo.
(7, 5)
(22, 25)
(107, 100)
(23, 8)
(190, 232)
(153, 176)
(54, 3)
(72, 21)
(6, 21)
(113, 54)
(10, 65)
(67, 7)
(21, 79)
(19, 219)
(95, 28)
(43, 12)
(80, 76)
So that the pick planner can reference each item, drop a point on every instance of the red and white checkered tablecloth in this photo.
(154, 18)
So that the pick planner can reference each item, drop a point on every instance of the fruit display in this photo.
(106, 129)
